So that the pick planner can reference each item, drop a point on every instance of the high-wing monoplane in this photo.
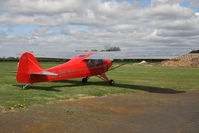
(29, 70)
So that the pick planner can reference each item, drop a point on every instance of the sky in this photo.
(48, 26)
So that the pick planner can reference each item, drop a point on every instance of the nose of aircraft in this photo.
(108, 62)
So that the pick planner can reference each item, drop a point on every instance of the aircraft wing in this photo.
(82, 56)
(110, 55)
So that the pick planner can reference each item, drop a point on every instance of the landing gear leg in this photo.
(105, 78)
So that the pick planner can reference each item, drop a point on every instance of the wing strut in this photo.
(117, 66)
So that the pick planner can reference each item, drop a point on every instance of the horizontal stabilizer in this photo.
(44, 73)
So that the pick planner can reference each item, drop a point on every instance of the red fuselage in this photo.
(70, 70)
(29, 70)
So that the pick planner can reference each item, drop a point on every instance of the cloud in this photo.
(167, 11)
(195, 4)
(43, 6)
(158, 2)
(42, 31)
(88, 24)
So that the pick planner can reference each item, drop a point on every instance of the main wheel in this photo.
(84, 80)
(111, 82)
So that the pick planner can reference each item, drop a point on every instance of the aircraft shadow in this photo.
(46, 88)
(102, 83)
(127, 86)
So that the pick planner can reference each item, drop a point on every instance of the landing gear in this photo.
(85, 80)
(105, 78)
(26, 85)
(101, 76)
(111, 82)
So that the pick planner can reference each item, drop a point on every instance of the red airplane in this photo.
(29, 71)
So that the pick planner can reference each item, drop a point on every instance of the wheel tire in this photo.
(111, 82)
(84, 80)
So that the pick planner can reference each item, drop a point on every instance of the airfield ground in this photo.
(144, 99)
(141, 112)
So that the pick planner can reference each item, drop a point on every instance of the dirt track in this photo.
(129, 113)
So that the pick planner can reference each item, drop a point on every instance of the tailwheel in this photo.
(26, 85)
(111, 82)
(85, 80)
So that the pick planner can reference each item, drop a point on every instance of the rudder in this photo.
(27, 64)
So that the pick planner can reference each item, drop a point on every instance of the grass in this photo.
(128, 79)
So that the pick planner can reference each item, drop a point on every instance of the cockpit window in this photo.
(91, 62)
(98, 61)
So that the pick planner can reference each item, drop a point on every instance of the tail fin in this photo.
(27, 65)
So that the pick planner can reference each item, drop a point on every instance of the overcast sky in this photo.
(69, 25)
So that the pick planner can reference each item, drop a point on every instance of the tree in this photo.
(194, 51)
(113, 49)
